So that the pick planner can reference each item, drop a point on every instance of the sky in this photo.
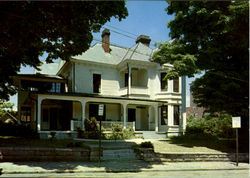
(145, 18)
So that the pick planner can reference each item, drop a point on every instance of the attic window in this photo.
(96, 83)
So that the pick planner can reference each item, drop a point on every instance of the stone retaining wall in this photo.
(148, 154)
(43, 154)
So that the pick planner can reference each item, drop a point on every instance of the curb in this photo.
(118, 170)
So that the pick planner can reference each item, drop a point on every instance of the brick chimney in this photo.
(105, 40)
(143, 39)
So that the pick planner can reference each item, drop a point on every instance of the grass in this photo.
(12, 141)
(194, 143)
(174, 144)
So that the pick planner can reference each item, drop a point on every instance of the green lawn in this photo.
(168, 145)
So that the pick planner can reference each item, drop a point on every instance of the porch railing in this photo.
(105, 124)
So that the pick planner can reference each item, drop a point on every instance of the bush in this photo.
(218, 126)
(147, 145)
(118, 132)
(9, 129)
(92, 129)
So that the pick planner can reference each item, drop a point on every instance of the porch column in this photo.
(129, 80)
(150, 119)
(124, 115)
(39, 104)
(156, 117)
(83, 102)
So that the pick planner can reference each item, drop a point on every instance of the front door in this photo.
(53, 118)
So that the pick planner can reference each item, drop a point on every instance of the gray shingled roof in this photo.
(96, 54)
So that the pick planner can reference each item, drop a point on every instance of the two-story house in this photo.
(124, 82)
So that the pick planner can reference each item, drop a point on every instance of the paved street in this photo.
(208, 174)
(124, 169)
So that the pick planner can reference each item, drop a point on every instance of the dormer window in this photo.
(96, 83)
(164, 83)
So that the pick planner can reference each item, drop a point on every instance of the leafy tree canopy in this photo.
(212, 37)
(61, 29)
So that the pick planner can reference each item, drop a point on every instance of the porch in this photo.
(66, 114)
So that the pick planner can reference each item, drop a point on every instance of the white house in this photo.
(125, 81)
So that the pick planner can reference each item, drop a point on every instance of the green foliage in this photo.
(92, 129)
(118, 132)
(218, 126)
(212, 37)
(5, 107)
(61, 29)
(8, 129)
(147, 145)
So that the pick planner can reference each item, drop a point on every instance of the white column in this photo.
(150, 117)
(129, 80)
(39, 104)
(156, 118)
(83, 102)
(183, 103)
(124, 115)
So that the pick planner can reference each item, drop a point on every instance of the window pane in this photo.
(126, 79)
(176, 114)
(164, 115)
(164, 83)
(176, 85)
(96, 83)
(25, 114)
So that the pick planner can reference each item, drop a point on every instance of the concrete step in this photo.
(120, 154)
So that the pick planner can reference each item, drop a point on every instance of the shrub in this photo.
(92, 129)
(9, 129)
(118, 132)
(218, 126)
(147, 145)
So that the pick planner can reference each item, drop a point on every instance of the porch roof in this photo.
(89, 95)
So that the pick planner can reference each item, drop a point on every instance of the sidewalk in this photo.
(114, 166)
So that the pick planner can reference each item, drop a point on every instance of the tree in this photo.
(5, 107)
(61, 29)
(212, 37)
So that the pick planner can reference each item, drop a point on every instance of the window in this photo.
(93, 112)
(176, 85)
(176, 114)
(164, 83)
(164, 115)
(42, 86)
(96, 83)
(25, 114)
(126, 79)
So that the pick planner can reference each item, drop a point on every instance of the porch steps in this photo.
(153, 135)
